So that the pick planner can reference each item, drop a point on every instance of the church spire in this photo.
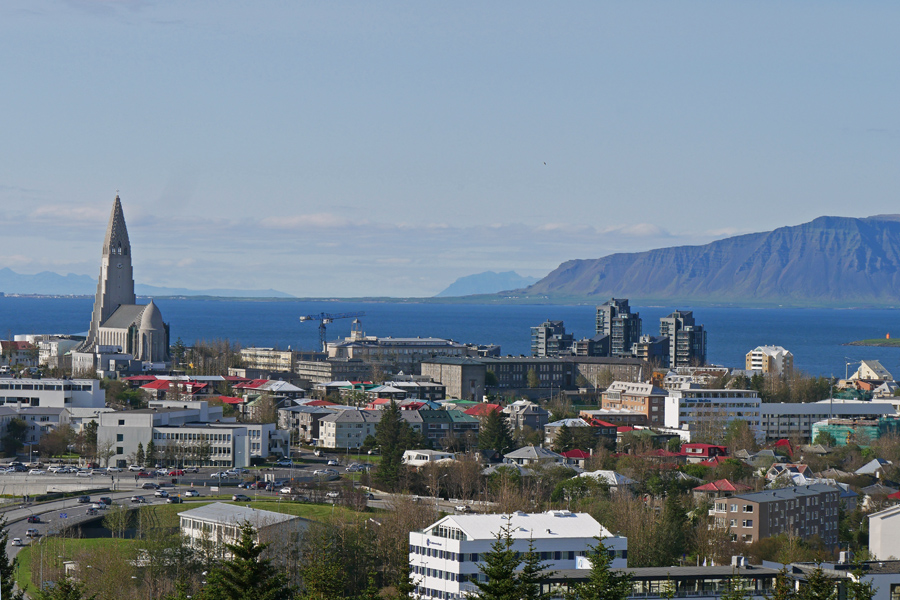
(116, 241)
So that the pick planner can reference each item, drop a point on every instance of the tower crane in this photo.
(325, 319)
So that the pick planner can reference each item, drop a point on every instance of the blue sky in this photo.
(360, 148)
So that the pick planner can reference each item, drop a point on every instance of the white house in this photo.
(347, 428)
(218, 524)
(444, 557)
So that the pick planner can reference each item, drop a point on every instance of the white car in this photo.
(333, 495)
(37, 472)
(17, 542)
(324, 472)
(56, 470)
(462, 508)
(191, 494)
(135, 468)
(333, 463)
(161, 494)
(285, 490)
(113, 470)
(83, 474)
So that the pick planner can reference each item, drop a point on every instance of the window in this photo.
(734, 508)
(747, 523)
(120, 450)
(121, 421)
(748, 508)
(120, 437)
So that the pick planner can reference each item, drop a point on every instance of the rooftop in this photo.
(554, 524)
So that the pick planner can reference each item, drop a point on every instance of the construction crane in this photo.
(325, 319)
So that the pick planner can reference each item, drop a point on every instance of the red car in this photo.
(176, 473)
(143, 474)
(34, 519)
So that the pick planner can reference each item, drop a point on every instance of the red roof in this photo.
(715, 461)
(140, 378)
(16, 345)
(162, 384)
(599, 423)
(576, 454)
(482, 410)
(894, 496)
(251, 384)
(231, 400)
(723, 485)
(625, 429)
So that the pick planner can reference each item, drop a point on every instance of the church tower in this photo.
(116, 284)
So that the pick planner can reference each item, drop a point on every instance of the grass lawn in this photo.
(69, 549)
(166, 515)
(23, 573)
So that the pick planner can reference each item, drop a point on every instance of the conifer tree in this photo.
(495, 433)
(499, 567)
(246, 575)
(562, 442)
(139, 455)
(603, 582)
(857, 588)
(533, 570)
(65, 589)
(7, 567)
(394, 437)
(783, 589)
(818, 586)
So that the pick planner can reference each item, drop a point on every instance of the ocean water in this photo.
(815, 336)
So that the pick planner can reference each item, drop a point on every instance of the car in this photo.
(91, 512)
(17, 542)
(176, 472)
(220, 475)
(84, 499)
(161, 494)
(333, 495)
(192, 494)
(98, 505)
(462, 508)
(284, 463)
(286, 490)
(143, 474)
(139, 499)
(174, 500)
(161, 472)
(324, 473)
(20, 469)
(241, 498)
(37, 472)
(55, 469)
(373, 452)
(34, 519)
(230, 474)
(369, 496)
(106, 500)
(149, 485)
(136, 468)
(319, 453)
(259, 485)
(191, 470)
(83, 474)
(113, 470)
(247, 485)
(32, 533)
(333, 463)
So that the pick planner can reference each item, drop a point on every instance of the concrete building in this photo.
(303, 421)
(333, 369)
(884, 534)
(644, 398)
(444, 557)
(41, 421)
(18, 354)
(860, 431)
(523, 413)
(268, 359)
(807, 511)
(443, 426)
(512, 372)
(773, 360)
(687, 340)
(702, 410)
(53, 393)
(781, 420)
(117, 319)
(616, 416)
(653, 349)
(615, 319)
(347, 428)
(461, 376)
(597, 370)
(871, 370)
(215, 525)
(550, 339)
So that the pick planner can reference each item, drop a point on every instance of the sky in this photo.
(348, 149)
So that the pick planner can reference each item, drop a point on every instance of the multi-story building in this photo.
(597, 370)
(551, 430)
(804, 511)
(513, 372)
(461, 376)
(644, 398)
(441, 426)
(550, 339)
(269, 359)
(681, 377)
(347, 428)
(444, 557)
(42, 420)
(770, 359)
(595, 346)
(18, 354)
(781, 420)
(421, 388)
(871, 370)
(523, 413)
(615, 319)
(616, 416)
(653, 349)
(304, 420)
(687, 340)
(859, 431)
(708, 411)
(53, 393)
(333, 369)
(216, 525)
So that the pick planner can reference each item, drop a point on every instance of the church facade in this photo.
(118, 320)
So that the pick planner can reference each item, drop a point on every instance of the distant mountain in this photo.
(830, 261)
(488, 282)
(48, 283)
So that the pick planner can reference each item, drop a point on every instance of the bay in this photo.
(815, 336)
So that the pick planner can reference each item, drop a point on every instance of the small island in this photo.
(883, 342)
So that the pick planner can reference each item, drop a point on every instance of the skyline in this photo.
(360, 150)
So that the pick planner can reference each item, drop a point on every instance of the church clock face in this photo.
(119, 266)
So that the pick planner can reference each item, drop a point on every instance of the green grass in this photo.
(23, 573)
(893, 342)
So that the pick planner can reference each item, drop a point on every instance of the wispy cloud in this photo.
(69, 214)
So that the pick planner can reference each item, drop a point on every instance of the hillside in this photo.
(830, 261)
(488, 282)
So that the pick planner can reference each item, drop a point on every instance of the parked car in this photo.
(462, 508)
(143, 474)
(161, 494)
(37, 472)
(135, 468)
(17, 542)
(241, 498)
(84, 499)
(259, 485)
(138, 499)
(324, 473)
(333, 463)
(83, 474)
(285, 490)
(319, 453)
(284, 463)
(191, 494)
(174, 500)
(149, 485)
(32, 533)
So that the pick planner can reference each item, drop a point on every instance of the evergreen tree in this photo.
(139, 455)
(603, 582)
(499, 567)
(532, 379)
(783, 589)
(65, 589)
(495, 433)
(672, 532)
(562, 442)
(246, 575)
(736, 590)
(151, 454)
(818, 586)
(394, 437)
(533, 569)
(7, 567)
(857, 589)
(322, 570)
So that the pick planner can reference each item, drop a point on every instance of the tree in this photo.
(531, 573)
(857, 589)
(7, 567)
(818, 586)
(16, 430)
(151, 454)
(246, 575)
(562, 442)
(490, 379)
(499, 567)
(394, 437)
(603, 582)
(89, 432)
(66, 589)
(139, 456)
(736, 589)
(826, 439)
(178, 351)
(783, 588)
(105, 451)
(532, 379)
(495, 433)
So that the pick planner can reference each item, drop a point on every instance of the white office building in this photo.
(783, 419)
(444, 557)
(52, 393)
(218, 524)
(695, 409)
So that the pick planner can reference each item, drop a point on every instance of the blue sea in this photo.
(815, 336)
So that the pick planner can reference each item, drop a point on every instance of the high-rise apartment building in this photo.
(687, 340)
(550, 339)
(770, 359)
(615, 319)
